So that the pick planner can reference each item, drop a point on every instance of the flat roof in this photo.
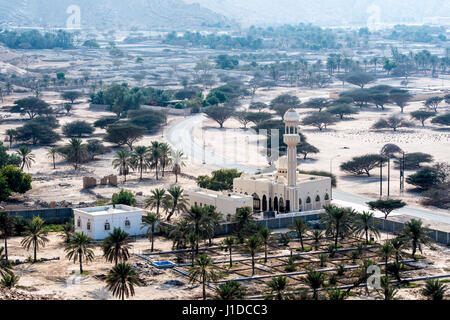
(108, 210)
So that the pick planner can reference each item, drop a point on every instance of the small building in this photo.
(225, 202)
(98, 222)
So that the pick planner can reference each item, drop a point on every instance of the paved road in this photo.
(180, 136)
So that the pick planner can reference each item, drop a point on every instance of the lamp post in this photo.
(331, 173)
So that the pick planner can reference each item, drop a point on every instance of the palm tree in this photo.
(155, 200)
(337, 221)
(230, 290)
(266, 237)
(317, 235)
(397, 243)
(364, 225)
(416, 234)
(175, 201)
(315, 280)
(300, 227)
(9, 280)
(253, 244)
(122, 161)
(204, 271)
(193, 240)
(115, 246)
(385, 252)
(76, 152)
(11, 134)
(7, 223)
(229, 242)
(277, 287)
(150, 221)
(336, 294)
(155, 156)
(211, 220)
(434, 290)
(5, 266)
(195, 216)
(52, 154)
(35, 236)
(387, 291)
(79, 248)
(177, 163)
(139, 159)
(164, 158)
(26, 157)
(67, 231)
(121, 280)
(243, 217)
(178, 235)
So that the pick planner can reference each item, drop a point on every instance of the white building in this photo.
(98, 222)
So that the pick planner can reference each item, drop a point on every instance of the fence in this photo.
(51, 216)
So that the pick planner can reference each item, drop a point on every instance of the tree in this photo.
(155, 155)
(434, 290)
(124, 133)
(150, 221)
(35, 236)
(359, 78)
(139, 159)
(192, 240)
(253, 244)
(379, 99)
(195, 216)
(116, 245)
(300, 227)
(316, 103)
(422, 115)
(266, 238)
(283, 103)
(320, 120)
(229, 242)
(203, 271)
(7, 225)
(26, 157)
(39, 130)
(177, 163)
(362, 164)
(433, 103)
(317, 235)
(315, 280)
(443, 119)
(277, 287)
(425, 178)
(122, 279)
(305, 149)
(386, 206)
(393, 122)
(175, 201)
(52, 153)
(337, 221)
(257, 105)
(32, 107)
(75, 152)
(123, 161)
(341, 110)
(221, 179)
(67, 231)
(220, 114)
(164, 158)
(415, 235)
(11, 134)
(71, 96)
(364, 225)
(385, 252)
(77, 129)
(5, 265)
(12, 179)
(105, 122)
(230, 290)
(242, 117)
(124, 197)
(79, 248)
(258, 117)
(9, 280)
(7, 159)
(360, 97)
(156, 199)
(400, 97)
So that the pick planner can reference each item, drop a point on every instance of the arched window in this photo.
(299, 202)
(308, 200)
(88, 226)
(79, 222)
(317, 198)
(127, 223)
(107, 226)
(264, 203)
(275, 204)
(281, 205)
(228, 217)
(327, 197)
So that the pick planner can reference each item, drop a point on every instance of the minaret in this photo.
(291, 138)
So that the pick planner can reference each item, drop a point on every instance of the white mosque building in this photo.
(282, 191)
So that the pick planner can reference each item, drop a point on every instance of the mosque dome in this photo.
(291, 116)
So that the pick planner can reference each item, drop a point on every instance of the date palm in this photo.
(26, 157)
(230, 290)
(337, 221)
(266, 238)
(5, 266)
(115, 246)
(195, 216)
(203, 271)
(277, 287)
(315, 280)
(155, 200)
(67, 231)
(253, 244)
(210, 222)
(164, 158)
(149, 221)
(363, 225)
(80, 248)
(122, 161)
(434, 290)
(7, 223)
(385, 252)
(76, 152)
(122, 279)
(229, 242)
(398, 244)
(193, 239)
(11, 134)
(175, 201)
(415, 235)
(177, 163)
(155, 156)
(9, 280)
(139, 159)
(53, 154)
(317, 235)
(300, 227)
(35, 236)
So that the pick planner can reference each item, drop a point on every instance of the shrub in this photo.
(124, 197)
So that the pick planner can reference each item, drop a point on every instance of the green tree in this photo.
(177, 163)
(155, 155)
(156, 199)
(122, 279)
(422, 115)
(392, 122)
(26, 157)
(12, 179)
(195, 216)
(80, 248)
(7, 225)
(341, 110)
(385, 252)
(139, 159)
(124, 134)
(364, 225)
(52, 153)
(230, 290)
(149, 221)
(400, 97)
(219, 114)
(316, 103)
(277, 287)
(359, 79)
(124, 197)
(337, 221)
(434, 290)
(35, 236)
(11, 134)
(266, 238)
(443, 119)
(9, 281)
(315, 280)
(253, 244)
(386, 206)
(71, 96)
(203, 271)
(229, 242)
(362, 164)
(77, 129)
(67, 231)
(123, 161)
(75, 152)
(416, 235)
(175, 201)
(116, 246)
(433, 103)
(425, 178)
(301, 228)
(32, 107)
(320, 120)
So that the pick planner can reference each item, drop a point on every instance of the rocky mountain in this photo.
(117, 14)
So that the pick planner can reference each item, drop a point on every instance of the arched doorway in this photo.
(281, 205)
(317, 202)
(256, 203)
(300, 206)
(288, 206)
(308, 203)
(264, 203)
(275, 204)
(270, 204)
